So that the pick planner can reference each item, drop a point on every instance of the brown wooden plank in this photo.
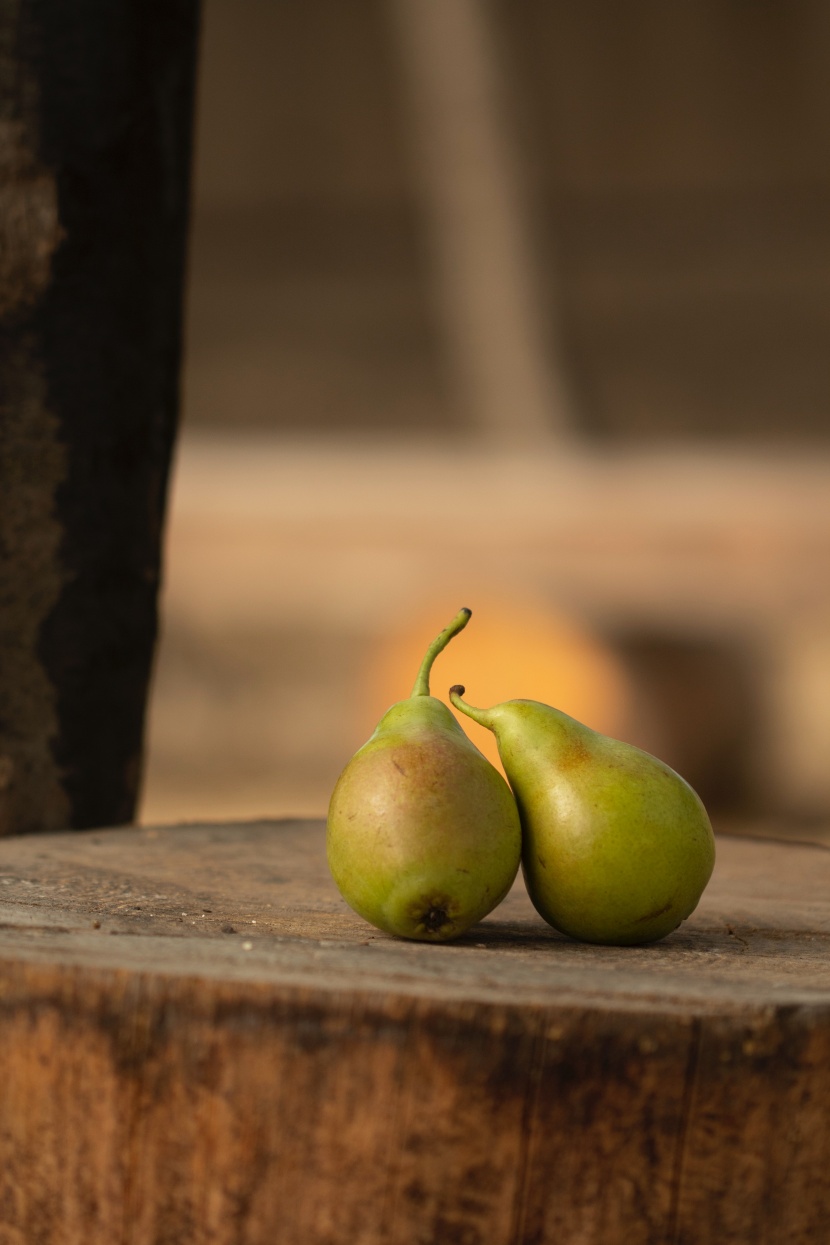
(309, 1079)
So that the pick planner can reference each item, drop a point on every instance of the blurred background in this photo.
(519, 307)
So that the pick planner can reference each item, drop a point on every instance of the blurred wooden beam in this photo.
(504, 366)
(345, 543)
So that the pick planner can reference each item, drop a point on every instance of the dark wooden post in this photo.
(95, 134)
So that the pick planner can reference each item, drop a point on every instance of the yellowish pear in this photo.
(423, 836)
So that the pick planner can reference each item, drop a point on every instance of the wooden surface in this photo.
(201, 1043)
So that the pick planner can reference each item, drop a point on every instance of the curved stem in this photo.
(482, 716)
(421, 687)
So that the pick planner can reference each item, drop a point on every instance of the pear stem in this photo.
(482, 716)
(421, 687)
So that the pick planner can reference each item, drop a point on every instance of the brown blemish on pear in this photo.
(652, 916)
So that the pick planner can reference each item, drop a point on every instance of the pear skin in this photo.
(616, 847)
(423, 836)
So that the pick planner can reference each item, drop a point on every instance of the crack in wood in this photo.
(743, 941)
(686, 1110)
(530, 1118)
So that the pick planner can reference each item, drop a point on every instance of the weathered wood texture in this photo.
(95, 118)
(201, 1043)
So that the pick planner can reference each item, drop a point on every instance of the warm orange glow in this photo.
(508, 651)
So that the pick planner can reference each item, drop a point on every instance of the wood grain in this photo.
(201, 1043)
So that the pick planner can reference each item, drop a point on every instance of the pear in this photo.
(423, 836)
(617, 848)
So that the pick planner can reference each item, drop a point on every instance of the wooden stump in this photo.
(202, 1043)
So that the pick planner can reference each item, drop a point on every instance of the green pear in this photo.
(423, 836)
(617, 848)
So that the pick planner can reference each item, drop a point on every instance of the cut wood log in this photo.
(202, 1043)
